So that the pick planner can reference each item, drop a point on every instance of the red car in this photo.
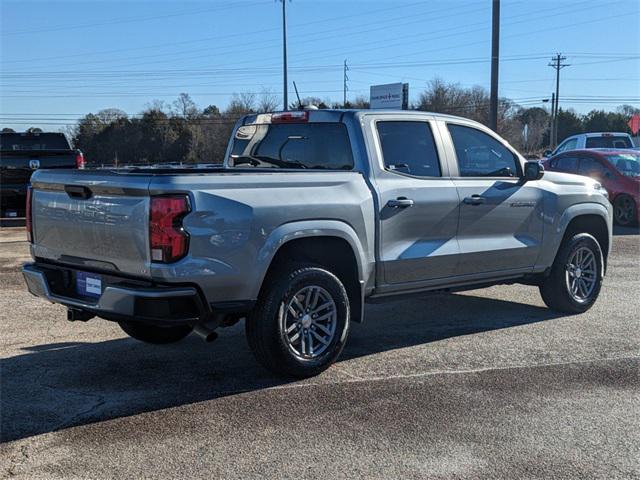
(618, 170)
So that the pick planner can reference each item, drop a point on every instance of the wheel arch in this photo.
(331, 244)
(593, 219)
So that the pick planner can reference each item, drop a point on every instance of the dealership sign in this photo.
(391, 95)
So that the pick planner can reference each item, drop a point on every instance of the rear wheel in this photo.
(153, 334)
(624, 210)
(300, 324)
(575, 280)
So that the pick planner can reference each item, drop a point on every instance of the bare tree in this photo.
(268, 101)
(185, 107)
(241, 104)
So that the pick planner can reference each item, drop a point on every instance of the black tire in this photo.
(555, 289)
(265, 326)
(625, 210)
(153, 334)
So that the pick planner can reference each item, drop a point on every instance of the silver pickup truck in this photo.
(314, 214)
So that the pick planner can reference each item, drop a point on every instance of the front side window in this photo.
(481, 155)
(627, 164)
(409, 148)
(322, 146)
(569, 145)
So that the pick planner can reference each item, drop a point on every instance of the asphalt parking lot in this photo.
(485, 384)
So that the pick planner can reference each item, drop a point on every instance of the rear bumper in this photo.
(120, 300)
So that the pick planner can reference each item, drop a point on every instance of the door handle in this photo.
(475, 200)
(78, 191)
(400, 202)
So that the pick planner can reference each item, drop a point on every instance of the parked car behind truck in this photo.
(23, 153)
(617, 170)
(313, 214)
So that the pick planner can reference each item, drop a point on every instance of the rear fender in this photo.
(312, 228)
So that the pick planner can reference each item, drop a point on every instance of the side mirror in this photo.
(547, 153)
(533, 171)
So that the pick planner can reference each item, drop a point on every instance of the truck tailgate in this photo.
(92, 219)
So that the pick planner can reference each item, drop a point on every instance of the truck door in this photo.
(501, 221)
(418, 203)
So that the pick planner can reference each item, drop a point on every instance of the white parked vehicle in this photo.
(594, 140)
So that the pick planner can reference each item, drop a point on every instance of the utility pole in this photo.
(495, 57)
(556, 63)
(344, 85)
(284, 53)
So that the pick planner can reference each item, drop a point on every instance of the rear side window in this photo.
(481, 155)
(33, 141)
(566, 164)
(408, 147)
(609, 142)
(590, 167)
(292, 145)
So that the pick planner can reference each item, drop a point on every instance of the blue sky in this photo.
(60, 60)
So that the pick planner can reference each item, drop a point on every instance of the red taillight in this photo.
(290, 117)
(28, 214)
(80, 163)
(168, 240)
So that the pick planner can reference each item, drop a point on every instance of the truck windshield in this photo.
(609, 141)
(627, 164)
(292, 145)
(33, 141)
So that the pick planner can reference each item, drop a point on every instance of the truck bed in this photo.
(233, 213)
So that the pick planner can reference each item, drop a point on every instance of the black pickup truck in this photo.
(23, 153)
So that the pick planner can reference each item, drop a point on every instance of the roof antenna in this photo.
(300, 106)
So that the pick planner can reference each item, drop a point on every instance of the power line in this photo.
(126, 20)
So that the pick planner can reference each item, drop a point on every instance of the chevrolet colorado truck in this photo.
(21, 153)
(313, 214)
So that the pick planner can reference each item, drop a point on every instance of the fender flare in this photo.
(558, 230)
(305, 229)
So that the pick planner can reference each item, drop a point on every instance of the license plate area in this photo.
(88, 284)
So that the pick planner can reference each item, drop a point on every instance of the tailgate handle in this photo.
(78, 191)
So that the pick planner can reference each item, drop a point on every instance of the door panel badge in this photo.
(522, 204)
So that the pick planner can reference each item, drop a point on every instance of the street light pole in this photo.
(495, 59)
(284, 53)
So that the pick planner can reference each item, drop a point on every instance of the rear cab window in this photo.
(408, 147)
(609, 141)
(481, 155)
(320, 146)
(33, 141)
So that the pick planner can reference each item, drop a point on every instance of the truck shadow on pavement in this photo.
(60, 385)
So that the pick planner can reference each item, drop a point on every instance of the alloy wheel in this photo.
(309, 322)
(581, 274)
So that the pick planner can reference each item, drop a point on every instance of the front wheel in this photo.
(152, 334)
(576, 276)
(300, 324)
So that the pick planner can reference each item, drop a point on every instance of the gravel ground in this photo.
(485, 384)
